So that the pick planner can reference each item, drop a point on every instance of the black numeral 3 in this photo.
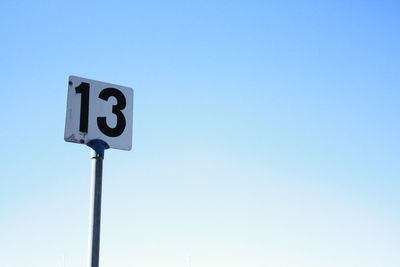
(105, 94)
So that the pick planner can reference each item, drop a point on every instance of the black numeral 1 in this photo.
(83, 89)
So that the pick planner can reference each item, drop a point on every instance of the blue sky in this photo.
(265, 133)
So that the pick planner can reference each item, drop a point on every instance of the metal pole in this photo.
(98, 147)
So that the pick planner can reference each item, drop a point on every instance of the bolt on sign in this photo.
(99, 111)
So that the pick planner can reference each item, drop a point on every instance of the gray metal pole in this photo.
(95, 201)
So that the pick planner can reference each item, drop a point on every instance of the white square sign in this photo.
(97, 110)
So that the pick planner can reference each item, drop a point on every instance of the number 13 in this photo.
(105, 94)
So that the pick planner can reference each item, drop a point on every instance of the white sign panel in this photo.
(97, 110)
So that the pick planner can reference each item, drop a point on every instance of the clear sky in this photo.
(266, 133)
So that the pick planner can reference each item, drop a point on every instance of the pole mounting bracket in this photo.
(98, 146)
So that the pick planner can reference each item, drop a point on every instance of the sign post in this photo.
(100, 123)
(98, 148)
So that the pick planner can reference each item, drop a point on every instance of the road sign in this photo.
(99, 111)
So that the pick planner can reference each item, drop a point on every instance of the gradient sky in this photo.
(266, 133)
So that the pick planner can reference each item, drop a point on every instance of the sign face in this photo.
(97, 110)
